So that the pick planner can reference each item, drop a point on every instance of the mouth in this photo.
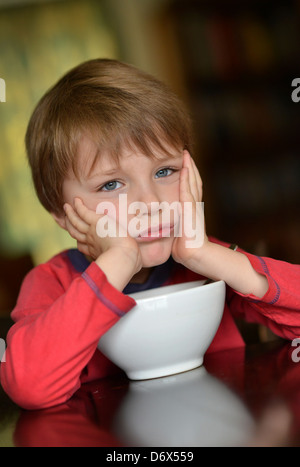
(155, 233)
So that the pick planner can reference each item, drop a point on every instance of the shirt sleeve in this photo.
(56, 333)
(279, 309)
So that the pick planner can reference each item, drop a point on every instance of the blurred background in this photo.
(231, 61)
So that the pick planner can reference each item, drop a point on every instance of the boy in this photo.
(104, 130)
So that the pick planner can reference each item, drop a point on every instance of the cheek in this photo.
(72, 189)
(171, 192)
(171, 196)
(69, 192)
(93, 202)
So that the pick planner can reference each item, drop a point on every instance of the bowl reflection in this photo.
(188, 409)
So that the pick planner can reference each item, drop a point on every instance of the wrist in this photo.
(119, 265)
(219, 262)
(197, 258)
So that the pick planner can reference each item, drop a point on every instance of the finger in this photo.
(83, 248)
(87, 215)
(75, 220)
(184, 186)
(79, 236)
(198, 181)
(187, 162)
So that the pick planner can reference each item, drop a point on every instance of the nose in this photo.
(145, 199)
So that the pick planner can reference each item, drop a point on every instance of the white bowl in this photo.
(168, 331)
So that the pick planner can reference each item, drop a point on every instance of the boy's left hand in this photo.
(198, 254)
(192, 236)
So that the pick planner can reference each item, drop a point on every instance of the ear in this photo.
(60, 219)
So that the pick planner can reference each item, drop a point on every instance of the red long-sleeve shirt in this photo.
(67, 304)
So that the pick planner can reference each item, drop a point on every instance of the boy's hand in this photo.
(192, 238)
(204, 257)
(107, 251)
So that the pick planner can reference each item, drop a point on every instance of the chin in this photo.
(157, 253)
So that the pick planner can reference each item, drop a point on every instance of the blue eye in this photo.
(110, 186)
(163, 173)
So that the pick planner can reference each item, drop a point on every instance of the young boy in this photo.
(104, 130)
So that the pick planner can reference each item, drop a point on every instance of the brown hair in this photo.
(116, 104)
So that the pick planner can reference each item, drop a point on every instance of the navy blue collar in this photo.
(159, 275)
(78, 260)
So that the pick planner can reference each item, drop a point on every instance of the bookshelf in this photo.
(239, 60)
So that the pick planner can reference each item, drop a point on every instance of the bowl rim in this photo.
(201, 282)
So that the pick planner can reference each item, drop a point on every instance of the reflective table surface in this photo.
(239, 397)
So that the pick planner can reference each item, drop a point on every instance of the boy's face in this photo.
(135, 178)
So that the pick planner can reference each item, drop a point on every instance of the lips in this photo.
(156, 232)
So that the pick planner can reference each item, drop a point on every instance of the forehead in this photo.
(91, 158)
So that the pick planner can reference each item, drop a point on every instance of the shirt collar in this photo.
(158, 277)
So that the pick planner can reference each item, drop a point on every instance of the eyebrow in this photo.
(106, 173)
(168, 157)
(114, 170)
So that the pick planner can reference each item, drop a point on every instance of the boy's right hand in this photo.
(107, 251)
